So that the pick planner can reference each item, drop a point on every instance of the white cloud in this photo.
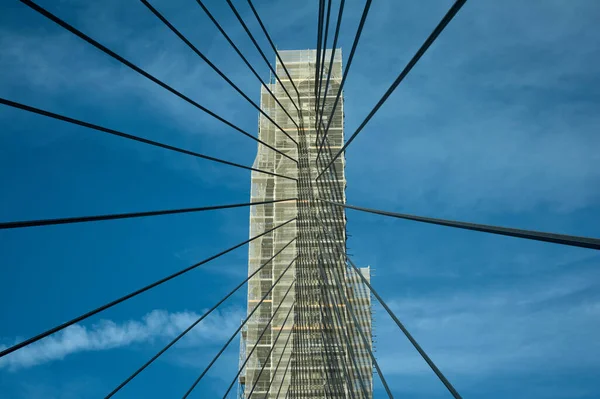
(471, 334)
(157, 325)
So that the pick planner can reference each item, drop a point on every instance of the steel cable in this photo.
(428, 42)
(131, 295)
(142, 72)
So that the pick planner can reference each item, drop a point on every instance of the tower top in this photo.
(308, 55)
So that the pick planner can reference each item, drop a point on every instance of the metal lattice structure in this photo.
(317, 351)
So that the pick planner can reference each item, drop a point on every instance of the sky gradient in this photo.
(498, 124)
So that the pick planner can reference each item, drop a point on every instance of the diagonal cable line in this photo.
(335, 217)
(575, 241)
(360, 312)
(242, 325)
(318, 53)
(350, 309)
(423, 354)
(264, 57)
(326, 320)
(132, 294)
(361, 25)
(239, 52)
(134, 138)
(256, 345)
(329, 244)
(195, 323)
(428, 42)
(333, 330)
(269, 354)
(97, 218)
(322, 61)
(333, 47)
(264, 29)
(287, 341)
(213, 66)
(328, 326)
(307, 319)
(351, 341)
(318, 321)
(272, 44)
(283, 377)
(139, 70)
(356, 374)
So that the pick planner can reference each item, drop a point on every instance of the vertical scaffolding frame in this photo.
(310, 375)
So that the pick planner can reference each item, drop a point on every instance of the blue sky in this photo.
(498, 124)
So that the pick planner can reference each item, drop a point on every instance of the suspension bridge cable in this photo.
(96, 218)
(350, 340)
(264, 57)
(306, 180)
(304, 190)
(307, 320)
(272, 44)
(357, 375)
(350, 309)
(142, 72)
(334, 331)
(277, 366)
(318, 321)
(318, 54)
(333, 48)
(343, 366)
(213, 66)
(325, 321)
(313, 298)
(132, 294)
(134, 138)
(317, 68)
(337, 292)
(189, 391)
(238, 51)
(287, 341)
(361, 25)
(362, 370)
(322, 61)
(563, 239)
(283, 377)
(264, 29)
(333, 211)
(424, 355)
(195, 323)
(328, 344)
(432, 37)
(337, 214)
(256, 345)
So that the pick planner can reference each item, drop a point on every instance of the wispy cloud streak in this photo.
(158, 325)
(547, 326)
